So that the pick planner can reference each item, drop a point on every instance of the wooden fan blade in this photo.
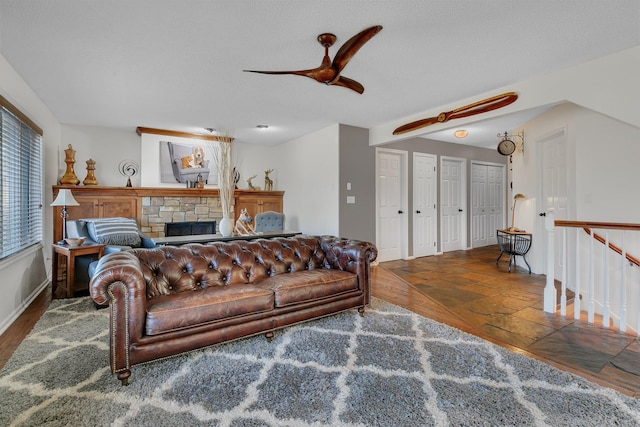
(349, 84)
(479, 107)
(415, 125)
(322, 74)
(306, 73)
(483, 106)
(352, 45)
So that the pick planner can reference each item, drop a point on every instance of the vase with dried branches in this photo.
(223, 158)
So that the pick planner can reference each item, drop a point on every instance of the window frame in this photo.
(23, 141)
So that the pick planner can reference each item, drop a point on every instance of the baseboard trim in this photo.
(6, 323)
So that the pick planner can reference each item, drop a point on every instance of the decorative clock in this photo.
(506, 147)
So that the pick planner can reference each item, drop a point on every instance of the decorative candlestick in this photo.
(70, 177)
(91, 177)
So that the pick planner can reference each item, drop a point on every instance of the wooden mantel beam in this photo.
(140, 130)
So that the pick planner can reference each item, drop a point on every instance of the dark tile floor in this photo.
(506, 308)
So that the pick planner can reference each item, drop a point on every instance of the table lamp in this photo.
(513, 214)
(64, 199)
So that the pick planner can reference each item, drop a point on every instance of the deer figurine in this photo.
(268, 182)
(251, 186)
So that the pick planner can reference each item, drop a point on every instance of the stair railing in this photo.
(612, 285)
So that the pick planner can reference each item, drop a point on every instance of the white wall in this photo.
(308, 171)
(602, 171)
(607, 85)
(108, 147)
(607, 168)
(24, 276)
(249, 160)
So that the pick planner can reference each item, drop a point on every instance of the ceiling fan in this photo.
(329, 71)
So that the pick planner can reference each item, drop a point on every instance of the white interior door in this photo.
(487, 203)
(496, 194)
(479, 205)
(452, 204)
(425, 189)
(389, 205)
(553, 151)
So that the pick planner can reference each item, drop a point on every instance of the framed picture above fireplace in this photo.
(187, 162)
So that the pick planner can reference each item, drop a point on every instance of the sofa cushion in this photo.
(187, 309)
(308, 285)
(114, 231)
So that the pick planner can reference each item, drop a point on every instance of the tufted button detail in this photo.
(170, 288)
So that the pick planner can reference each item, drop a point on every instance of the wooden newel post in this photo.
(550, 297)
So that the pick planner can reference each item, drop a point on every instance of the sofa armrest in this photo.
(354, 256)
(118, 281)
(118, 267)
(348, 255)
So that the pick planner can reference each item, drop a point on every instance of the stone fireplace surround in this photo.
(158, 210)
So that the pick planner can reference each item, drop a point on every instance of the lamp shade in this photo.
(65, 198)
(517, 197)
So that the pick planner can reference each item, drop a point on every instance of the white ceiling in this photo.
(178, 64)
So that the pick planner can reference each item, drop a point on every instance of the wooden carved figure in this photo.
(243, 224)
(250, 184)
(268, 182)
(91, 177)
(70, 177)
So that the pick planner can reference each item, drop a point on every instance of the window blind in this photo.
(20, 182)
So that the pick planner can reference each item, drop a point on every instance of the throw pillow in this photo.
(114, 231)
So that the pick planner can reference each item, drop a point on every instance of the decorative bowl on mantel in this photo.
(74, 241)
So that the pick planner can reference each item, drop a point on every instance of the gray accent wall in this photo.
(357, 167)
(470, 153)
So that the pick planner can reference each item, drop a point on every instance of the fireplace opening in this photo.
(189, 228)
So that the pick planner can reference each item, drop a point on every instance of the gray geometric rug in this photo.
(390, 368)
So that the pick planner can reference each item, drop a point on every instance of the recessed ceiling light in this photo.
(262, 126)
(460, 133)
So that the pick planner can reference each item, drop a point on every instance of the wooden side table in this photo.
(514, 243)
(71, 252)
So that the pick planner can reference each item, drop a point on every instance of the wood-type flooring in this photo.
(467, 290)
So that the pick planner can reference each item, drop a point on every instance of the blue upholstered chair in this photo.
(269, 221)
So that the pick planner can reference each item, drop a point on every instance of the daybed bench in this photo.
(169, 300)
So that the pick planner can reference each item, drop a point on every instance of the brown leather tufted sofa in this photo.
(169, 300)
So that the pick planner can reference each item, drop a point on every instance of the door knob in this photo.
(400, 212)
(543, 214)
(418, 212)
(459, 210)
